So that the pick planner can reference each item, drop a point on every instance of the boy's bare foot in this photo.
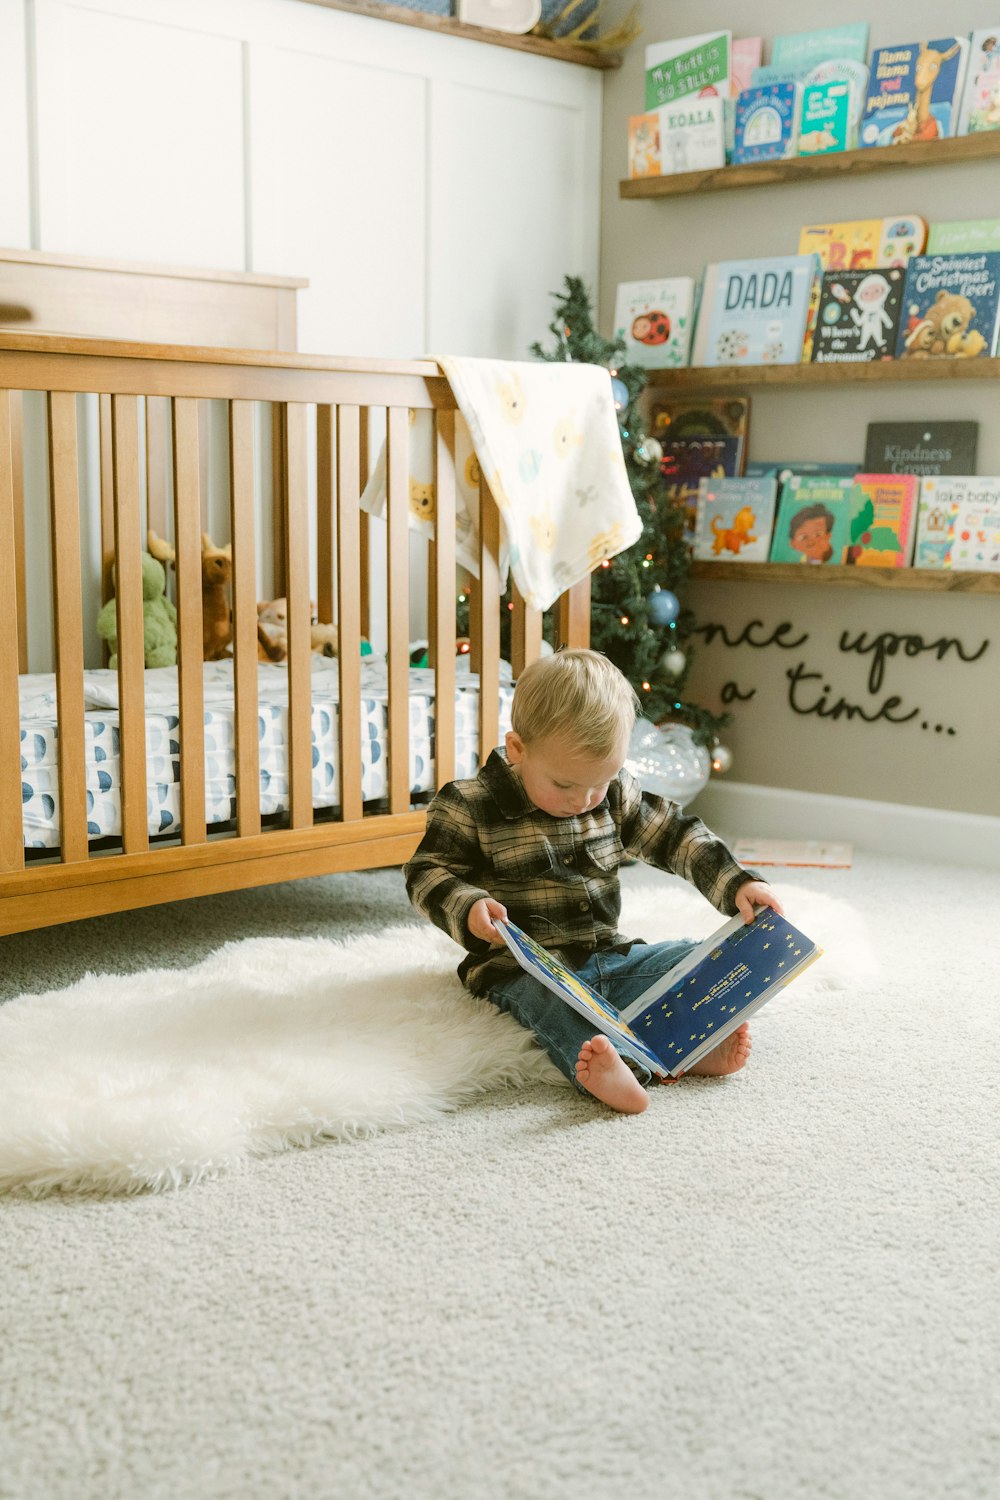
(729, 1057)
(604, 1073)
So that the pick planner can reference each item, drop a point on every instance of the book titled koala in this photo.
(951, 307)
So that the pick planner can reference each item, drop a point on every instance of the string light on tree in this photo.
(722, 758)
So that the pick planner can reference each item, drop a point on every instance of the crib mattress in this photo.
(40, 749)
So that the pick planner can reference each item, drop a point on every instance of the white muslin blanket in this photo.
(545, 437)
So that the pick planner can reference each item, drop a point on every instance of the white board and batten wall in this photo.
(433, 190)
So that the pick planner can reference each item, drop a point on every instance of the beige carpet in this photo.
(778, 1285)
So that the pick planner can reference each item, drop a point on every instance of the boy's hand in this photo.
(756, 893)
(480, 919)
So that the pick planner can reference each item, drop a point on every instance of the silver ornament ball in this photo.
(665, 759)
(722, 758)
(674, 662)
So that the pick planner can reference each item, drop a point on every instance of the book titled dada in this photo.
(921, 447)
(694, 1006)
(858, 316)
(754, 312)
(734, 519)
(951, 307)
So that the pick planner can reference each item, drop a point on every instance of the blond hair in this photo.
(579, 695)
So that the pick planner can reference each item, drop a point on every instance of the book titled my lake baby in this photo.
(694, 1006)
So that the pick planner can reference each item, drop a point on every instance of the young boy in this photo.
(540, 834)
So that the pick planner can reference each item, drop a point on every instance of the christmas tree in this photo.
(637, 618)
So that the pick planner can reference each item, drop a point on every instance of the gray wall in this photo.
(915, 762)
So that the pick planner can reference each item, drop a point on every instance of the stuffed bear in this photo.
(159, 619)
(272, 632)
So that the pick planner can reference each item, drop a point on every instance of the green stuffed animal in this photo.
(159, 619)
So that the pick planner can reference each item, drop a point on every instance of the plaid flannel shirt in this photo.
(557, 877)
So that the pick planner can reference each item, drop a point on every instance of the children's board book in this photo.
(692, 134)
(688, 65)
(744, 56)
(984, 102)
(858, 316)
(794, 854)
(984, 57)
(844, 70)
(693, 1007)
(653, 319)
(701, 439)
(861, 244)
(783, 472)
(921, 447)
(644, 151)
(734, 520)
(914, 89)
(814, 519)
(826, 122)
(753, 312)
(958, 524)
(883, 517)
(963, 236)
(767, 125)
(798, 52)
(951, 306)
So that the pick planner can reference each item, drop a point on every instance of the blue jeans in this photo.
(619, 977)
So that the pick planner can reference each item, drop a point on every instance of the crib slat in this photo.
(67, 600)
(365, 520)
(487, 608)
(349, 608)
(398, 593)
(107, 498)
(17, 485)
(11, 629)
(442, 603)
(299, 663)
(573, 616)
(157, 419)
(128, 594)
(243, 532)
(525, 634)
(279, 500)
(324, 512)
(187, 531)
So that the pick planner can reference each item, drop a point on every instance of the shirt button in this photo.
(584, 905)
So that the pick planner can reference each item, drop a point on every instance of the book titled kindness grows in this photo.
(754, 312)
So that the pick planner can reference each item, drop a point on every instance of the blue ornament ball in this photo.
(664, 607)
(620, 392)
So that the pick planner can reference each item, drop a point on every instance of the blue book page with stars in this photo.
(696, 1005)
(546, 968)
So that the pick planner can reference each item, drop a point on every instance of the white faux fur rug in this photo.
(149, 1081)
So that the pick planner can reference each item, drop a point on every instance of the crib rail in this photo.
(151, 404)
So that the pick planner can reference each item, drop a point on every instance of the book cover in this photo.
(734, 520)
(784, 471)
(930, 447)
(963, 236)
(984, 55)
(913, 92)
(958, 523)
(799, 51)
(883, 516)
(903, 237)
(794, 854)
(827, 119)
(814, 519)
(653, 319)
(767, 122)
(692, 134)
(687, 65)
(693, 1007)
(753, 312)
(745, 55)
(644, 156)
(844, 70)
(700, 439)
(843, 245)
(984, 102)
(951, 306)
(858, 316)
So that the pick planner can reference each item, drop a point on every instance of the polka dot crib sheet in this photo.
(40, 766)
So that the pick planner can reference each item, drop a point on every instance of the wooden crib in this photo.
(78, 880)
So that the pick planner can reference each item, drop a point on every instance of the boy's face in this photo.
(811, 537)
(558, 778)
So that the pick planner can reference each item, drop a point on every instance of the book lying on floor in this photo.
(694, 1006)
(812, 854)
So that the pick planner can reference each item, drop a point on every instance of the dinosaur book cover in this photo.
(951, 307)
(734, 519)
(914, 91)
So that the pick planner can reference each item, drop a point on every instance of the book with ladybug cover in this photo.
(653, 319)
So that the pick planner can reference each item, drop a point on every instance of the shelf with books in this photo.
(983, 146)
(708, 378)
(934, 580)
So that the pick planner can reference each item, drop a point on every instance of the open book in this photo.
(693, 1006)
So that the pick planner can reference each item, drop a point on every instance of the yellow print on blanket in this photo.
(422, 500)
(565, 437)
(544, 529)
(511, 393)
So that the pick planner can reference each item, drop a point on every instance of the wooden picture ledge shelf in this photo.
(709, 378)
(930, 580)
(570, 52)
(984, 146)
